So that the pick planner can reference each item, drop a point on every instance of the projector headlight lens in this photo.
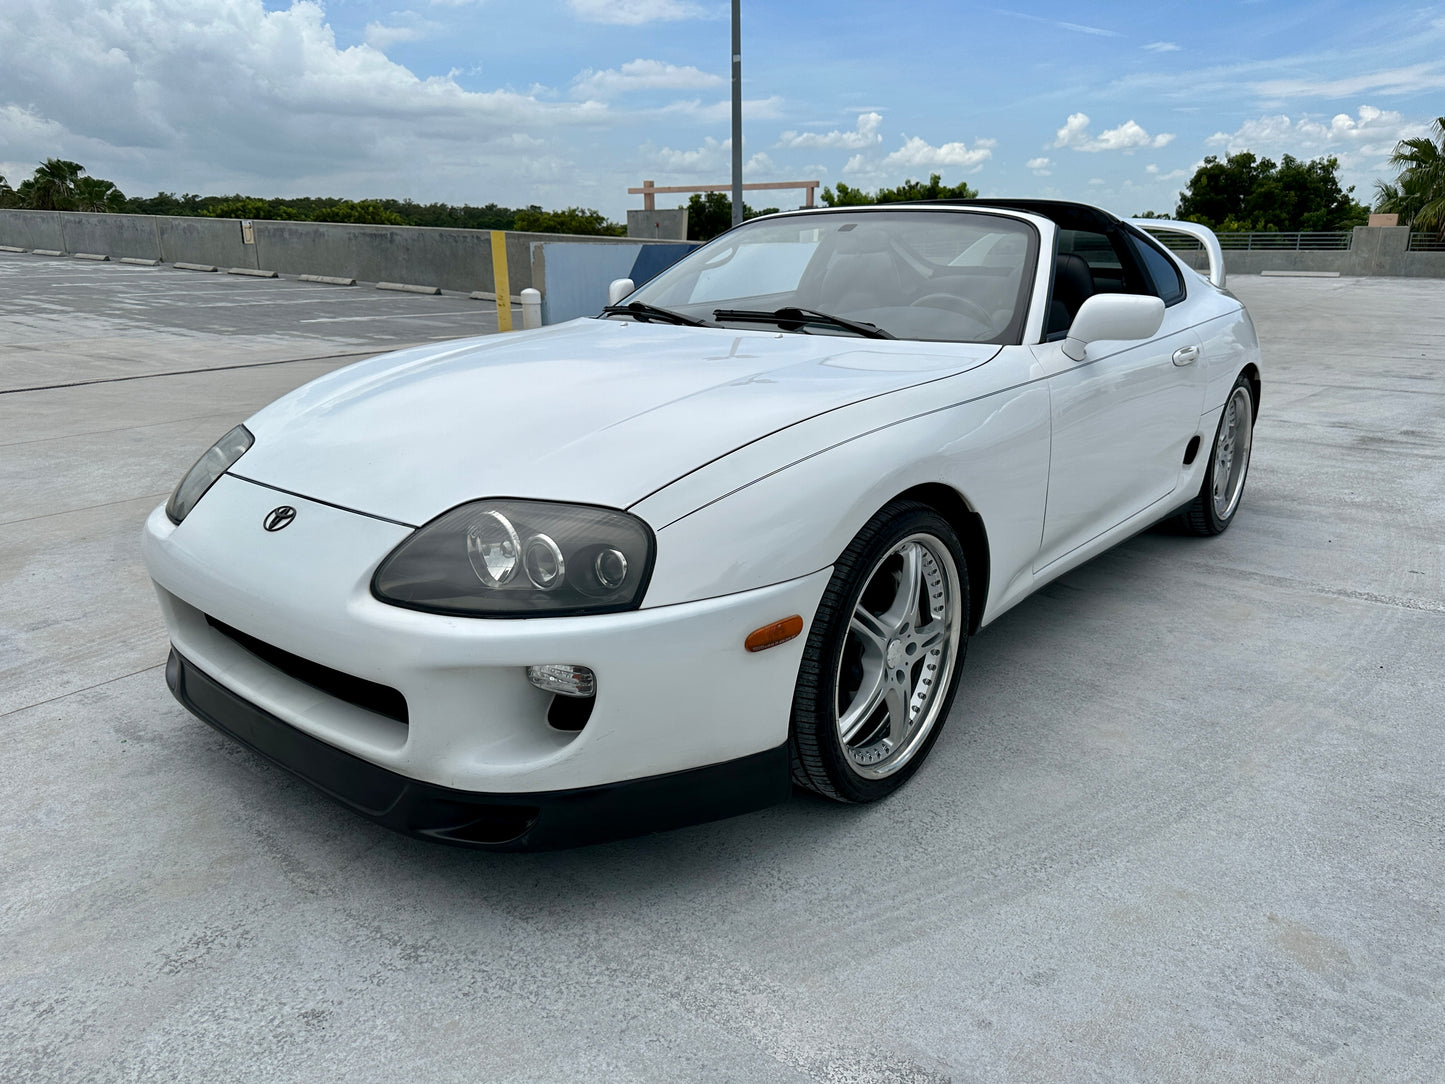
(493, 548)
(514, 558)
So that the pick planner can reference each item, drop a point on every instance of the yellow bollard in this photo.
(499, 280)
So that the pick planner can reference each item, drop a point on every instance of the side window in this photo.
(1096, 251)
(1168, 282)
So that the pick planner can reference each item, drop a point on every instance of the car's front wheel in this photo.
(882, 660)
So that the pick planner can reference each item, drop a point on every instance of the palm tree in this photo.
(1418, 194)
(7, 194)
(97, 194)
(53, 186)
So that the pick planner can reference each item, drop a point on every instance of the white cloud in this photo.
(1077, 28)
(713, 158)
(1161, 47)
(759, 163)
(1413, 79)
(1127, 137)
(865, 134)
(1172, 175)
(641, 75)
(915, 152)
(720, 112)
(383, 37)
(633, 12)
(1096, 31)
(1371, 132)
(1042, 166)
(709, 156)
(225, 95)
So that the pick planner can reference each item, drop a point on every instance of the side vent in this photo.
(1191, 451)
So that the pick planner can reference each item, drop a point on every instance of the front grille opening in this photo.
(367, 695)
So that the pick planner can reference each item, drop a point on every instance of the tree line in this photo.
(1241, 193)
(710, 214)
(1244, 193)
(62, 185)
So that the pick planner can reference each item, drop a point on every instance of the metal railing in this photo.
(1262, 241)
(1176, 242)
(1421, 241)
(1308, 241)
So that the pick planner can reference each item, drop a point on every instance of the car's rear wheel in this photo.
(1214, 508)
(882, 660)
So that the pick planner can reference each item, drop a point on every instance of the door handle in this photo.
(1186, 354)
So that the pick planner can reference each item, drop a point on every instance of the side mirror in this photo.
(619, 289)
(1113, 316)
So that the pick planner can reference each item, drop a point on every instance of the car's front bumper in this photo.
(676, 691)
(505, 821)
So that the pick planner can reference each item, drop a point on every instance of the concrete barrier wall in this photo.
(452, 259)
(215, 241)
(112, 235)
(449, 258)
(31, 229)
(1373, 250)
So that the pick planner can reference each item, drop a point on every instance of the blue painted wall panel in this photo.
(578, 273)
(577, 277)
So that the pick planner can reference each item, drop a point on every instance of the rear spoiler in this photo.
(1203, 234)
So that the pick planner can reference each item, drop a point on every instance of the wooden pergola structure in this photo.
(649, 191)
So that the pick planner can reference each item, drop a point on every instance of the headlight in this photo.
(218, 459)
(511, 558)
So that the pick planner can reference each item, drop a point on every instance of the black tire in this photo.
(1209, 513)
(910, 650)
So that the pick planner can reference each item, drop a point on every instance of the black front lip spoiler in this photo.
(542, 820)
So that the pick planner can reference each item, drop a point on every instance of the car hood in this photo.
(597, 411)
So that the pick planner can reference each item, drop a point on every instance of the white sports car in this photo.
(653, 568)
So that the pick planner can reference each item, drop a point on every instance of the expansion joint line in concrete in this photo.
(86, 689)
(207, 369)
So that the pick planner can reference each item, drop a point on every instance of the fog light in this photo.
(563, 679)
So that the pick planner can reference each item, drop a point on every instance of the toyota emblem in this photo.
(279, 518)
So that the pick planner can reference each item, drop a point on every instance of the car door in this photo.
(1123, 417)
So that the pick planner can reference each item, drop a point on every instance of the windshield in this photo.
(941, 276)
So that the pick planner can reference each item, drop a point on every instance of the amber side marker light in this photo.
(779, 632)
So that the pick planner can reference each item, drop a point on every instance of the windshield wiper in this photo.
(645, 312)
(791, 319)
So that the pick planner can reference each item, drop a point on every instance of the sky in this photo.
(570, 102)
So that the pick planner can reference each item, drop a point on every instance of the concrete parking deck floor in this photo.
(1187, 821)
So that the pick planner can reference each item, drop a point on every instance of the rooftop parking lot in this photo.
(1187, 821)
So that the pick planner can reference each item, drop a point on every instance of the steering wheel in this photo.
(958, 304)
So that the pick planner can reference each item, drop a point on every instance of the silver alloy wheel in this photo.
(1231, 453)
(898, 658)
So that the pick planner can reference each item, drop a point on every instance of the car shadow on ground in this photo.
(1003, 790)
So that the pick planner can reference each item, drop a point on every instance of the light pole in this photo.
(737, 113)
